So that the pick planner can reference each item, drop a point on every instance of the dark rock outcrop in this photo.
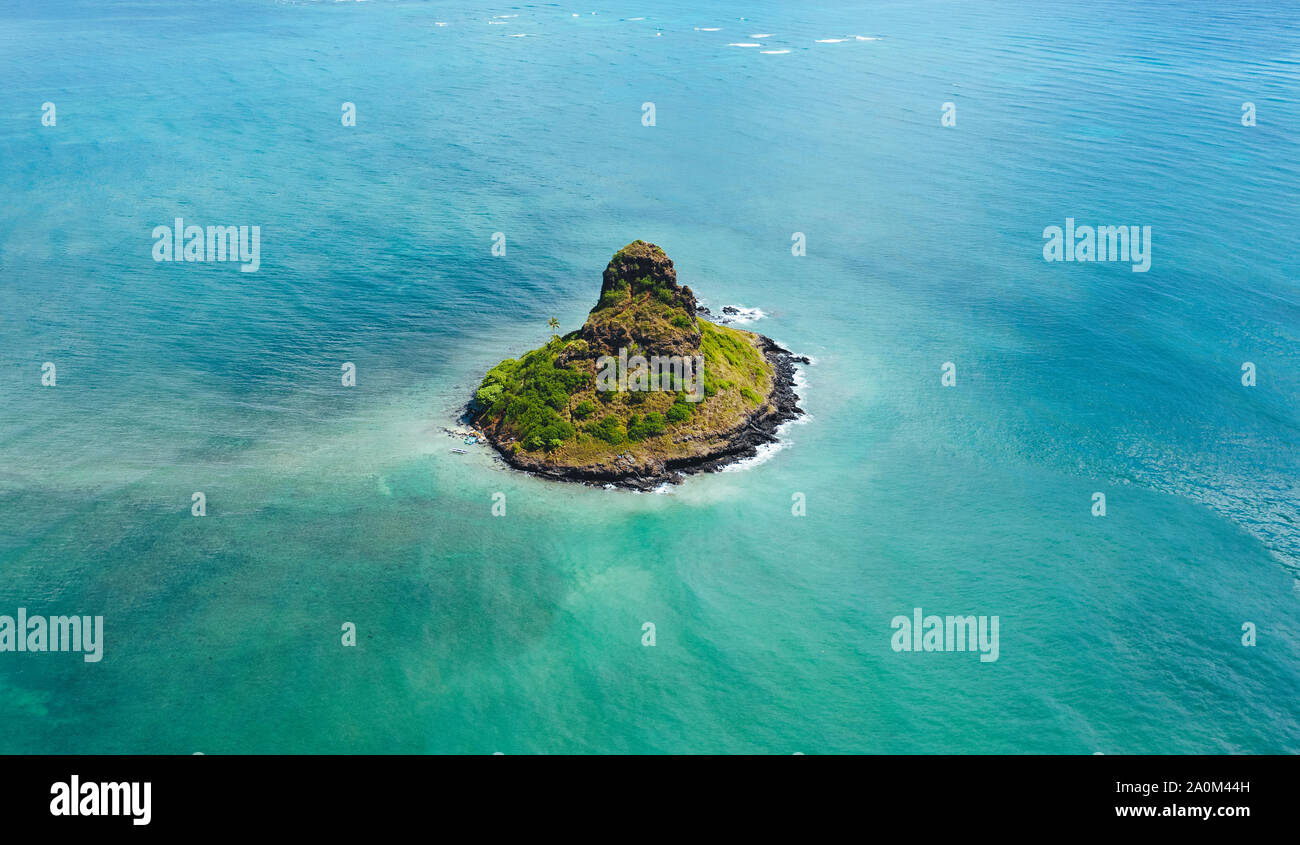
(640, 262)
(642, 307)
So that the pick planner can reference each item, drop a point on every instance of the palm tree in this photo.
(555, 324)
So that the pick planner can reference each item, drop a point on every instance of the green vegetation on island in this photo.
(561, 406)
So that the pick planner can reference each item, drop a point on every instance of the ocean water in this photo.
(523, 633)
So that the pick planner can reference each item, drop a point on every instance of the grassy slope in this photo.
(539, 405)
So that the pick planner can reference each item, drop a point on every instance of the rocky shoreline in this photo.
(740, 443)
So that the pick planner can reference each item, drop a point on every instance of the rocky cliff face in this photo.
(640, 261)
(641, 307)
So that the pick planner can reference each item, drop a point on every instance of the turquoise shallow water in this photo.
(522, 634)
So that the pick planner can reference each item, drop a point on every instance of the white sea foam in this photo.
(767, 451)
(764, 454)
(746, 315)
(773, 52)
(743, 44)
(866, 38)
(762, 35)
(743, 315)
(830, 40)
(707, 28)
(517, 35)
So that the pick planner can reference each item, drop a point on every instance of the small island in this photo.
(645, 392)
